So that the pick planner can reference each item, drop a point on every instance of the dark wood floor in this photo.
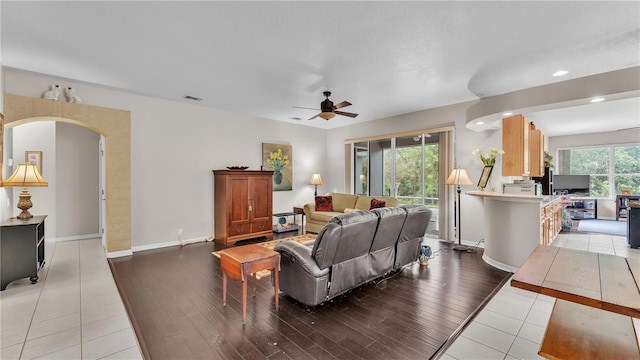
(174, 297)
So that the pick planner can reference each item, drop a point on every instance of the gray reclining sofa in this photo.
(351, 250)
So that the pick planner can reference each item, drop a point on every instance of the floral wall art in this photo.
(279, 158)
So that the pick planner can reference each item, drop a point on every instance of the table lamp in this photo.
(458, 177)
(25, 175)
(316, 180)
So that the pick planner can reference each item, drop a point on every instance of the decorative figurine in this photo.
(425, 254)
(53, 93)
(71, 95)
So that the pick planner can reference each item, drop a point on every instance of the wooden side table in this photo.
(241, 262)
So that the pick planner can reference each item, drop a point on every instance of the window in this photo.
(612, 168)
(627, 169)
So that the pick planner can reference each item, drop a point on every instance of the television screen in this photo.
(573, 184)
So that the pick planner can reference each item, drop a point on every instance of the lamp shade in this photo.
(458, 176)
(316, 179)
(25, 175)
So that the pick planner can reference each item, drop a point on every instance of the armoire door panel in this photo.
(239, 199)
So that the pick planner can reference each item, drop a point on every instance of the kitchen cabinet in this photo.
(536, 153)
(523, 148)
(242, 205)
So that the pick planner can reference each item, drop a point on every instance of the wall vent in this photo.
(192, 98)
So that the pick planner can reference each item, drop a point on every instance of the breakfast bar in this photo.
(516, 225)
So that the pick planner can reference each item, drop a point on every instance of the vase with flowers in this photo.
(278, 160)
(489, 160)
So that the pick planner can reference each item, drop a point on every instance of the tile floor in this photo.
(75, 312)
(512, 324)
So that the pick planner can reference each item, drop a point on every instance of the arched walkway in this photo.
(115, 126)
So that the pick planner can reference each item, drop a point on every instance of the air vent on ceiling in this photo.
(192, 98)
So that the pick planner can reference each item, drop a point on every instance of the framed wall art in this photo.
(34, 158)
(484, 177)
(279, 158)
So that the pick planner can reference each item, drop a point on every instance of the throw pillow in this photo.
(377, 203)
(324, 203)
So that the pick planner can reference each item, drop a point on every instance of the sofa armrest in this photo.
(296, 252)
(309, 208)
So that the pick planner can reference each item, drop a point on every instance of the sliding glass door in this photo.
(406, 167)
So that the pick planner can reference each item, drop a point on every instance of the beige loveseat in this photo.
(341, 202)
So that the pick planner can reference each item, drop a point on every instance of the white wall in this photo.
(174, 148)
(5, 195)
(77, 190)
(39, 136)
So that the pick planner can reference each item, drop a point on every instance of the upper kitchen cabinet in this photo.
(523, 147)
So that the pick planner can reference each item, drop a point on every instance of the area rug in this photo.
(271, 244)
(603, 226)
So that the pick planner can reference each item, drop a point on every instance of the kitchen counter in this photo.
(515, 226)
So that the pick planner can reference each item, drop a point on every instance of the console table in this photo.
(21, 249)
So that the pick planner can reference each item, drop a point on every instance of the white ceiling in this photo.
(386, 58)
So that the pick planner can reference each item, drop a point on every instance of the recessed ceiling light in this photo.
(507, 114)
(560, 73)
(597, 99)
(480, 122)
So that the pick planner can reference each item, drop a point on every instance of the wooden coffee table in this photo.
(241, 262)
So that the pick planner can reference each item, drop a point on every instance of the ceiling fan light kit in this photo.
(328, 110)
(327, 115)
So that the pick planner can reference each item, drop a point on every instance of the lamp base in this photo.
(24, 204)
(24, 215)
(459, 247)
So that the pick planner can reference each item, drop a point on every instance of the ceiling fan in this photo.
(328, 110)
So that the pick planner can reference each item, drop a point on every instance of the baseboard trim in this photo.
(170, 243)
(116, 254)
(73, 238)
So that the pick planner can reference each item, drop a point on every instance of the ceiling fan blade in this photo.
(352, 115)
(341, 105)
(314, 117)
(301, 107)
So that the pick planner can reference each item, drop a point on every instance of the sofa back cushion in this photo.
(343, 201)
(389, 226)
(364, 202)
(345, 237)
(382, 255)
(415, 226)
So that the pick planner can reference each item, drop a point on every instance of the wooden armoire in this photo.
(242, 205)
